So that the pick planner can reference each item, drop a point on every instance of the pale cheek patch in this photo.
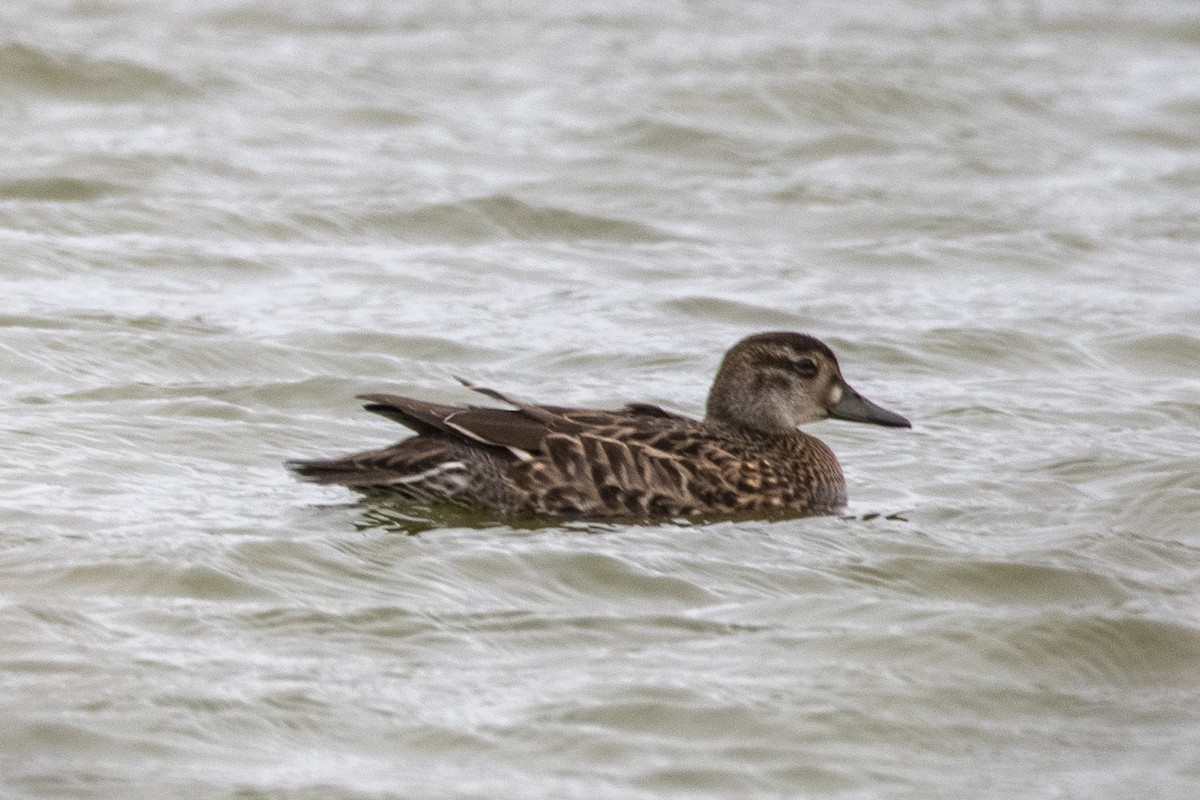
(835, 395)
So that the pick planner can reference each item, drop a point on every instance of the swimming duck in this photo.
(746, 456)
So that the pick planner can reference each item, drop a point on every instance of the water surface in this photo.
(221, 221)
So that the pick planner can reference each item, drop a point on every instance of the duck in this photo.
(746, 456)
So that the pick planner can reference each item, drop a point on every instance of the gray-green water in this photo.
(221, 221)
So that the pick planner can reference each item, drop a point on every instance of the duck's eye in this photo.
(806, 367)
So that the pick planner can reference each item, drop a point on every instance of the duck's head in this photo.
(773, 382)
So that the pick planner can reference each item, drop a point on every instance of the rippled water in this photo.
(221, 221)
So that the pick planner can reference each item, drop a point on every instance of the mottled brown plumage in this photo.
(745, 456)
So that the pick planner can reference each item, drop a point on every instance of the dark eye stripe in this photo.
(800, 366)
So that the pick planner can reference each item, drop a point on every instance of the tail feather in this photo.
(422, 469)
(336, 471)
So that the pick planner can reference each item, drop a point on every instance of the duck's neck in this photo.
(753, 411)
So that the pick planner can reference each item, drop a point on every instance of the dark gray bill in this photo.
(856, 408)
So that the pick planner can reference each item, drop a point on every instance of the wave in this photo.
(502, 216)
(81, 77)
(57, 189)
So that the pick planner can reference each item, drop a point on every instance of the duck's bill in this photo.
(856, 408)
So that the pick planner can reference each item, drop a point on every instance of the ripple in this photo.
(669, 712)
(732, 311)
(159, 578)
(438, 349)
(500, 217)
(602, 576)
(1011, 583)
(58, 189)
(690, 141)
(999, 349)
(81, 77)
(387, 622)
(1157, 353)
(1123, 651)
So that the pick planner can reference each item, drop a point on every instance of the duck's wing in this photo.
(419, 416)
(420, 468)
(523, 428)
(498, 427)
(585, 417)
